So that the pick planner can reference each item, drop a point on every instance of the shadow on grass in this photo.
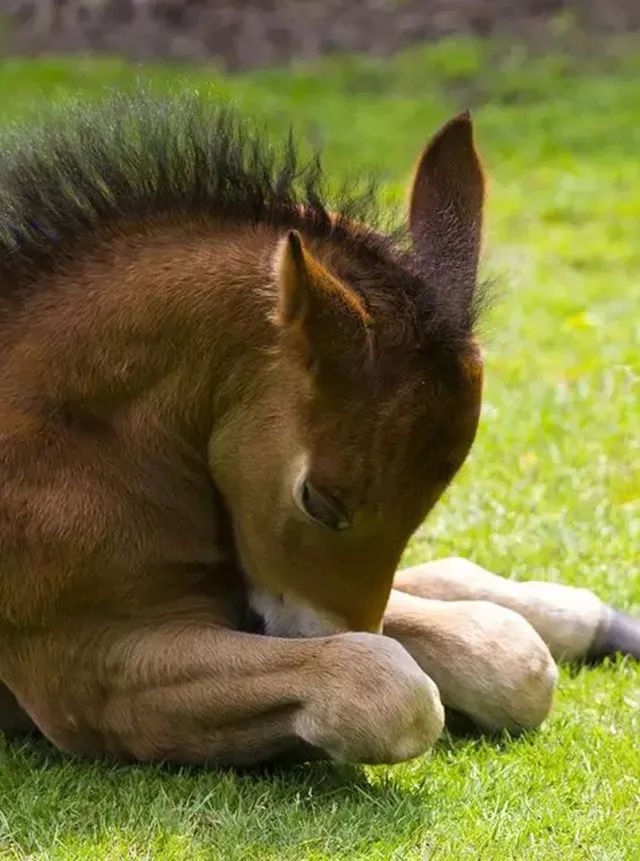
(57, 807)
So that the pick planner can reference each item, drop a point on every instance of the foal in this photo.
(224, 408)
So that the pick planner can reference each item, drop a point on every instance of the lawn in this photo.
(551, 491)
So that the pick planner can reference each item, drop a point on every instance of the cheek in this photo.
(354, 590)
(462, 424)
(307, 581)
(312, 583)
(475, 382)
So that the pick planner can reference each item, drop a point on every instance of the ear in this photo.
(324, 320)
(445, 210)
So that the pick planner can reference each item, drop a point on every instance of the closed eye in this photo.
(320, 507)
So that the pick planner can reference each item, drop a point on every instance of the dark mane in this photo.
(88, 166)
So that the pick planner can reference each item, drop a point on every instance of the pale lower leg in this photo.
(195, 693)
(487, 661)
(568, 619)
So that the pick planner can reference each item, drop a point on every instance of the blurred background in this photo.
(250, 33)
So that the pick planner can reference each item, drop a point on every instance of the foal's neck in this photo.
(173, 312)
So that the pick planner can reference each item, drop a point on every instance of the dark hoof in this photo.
(618, 634)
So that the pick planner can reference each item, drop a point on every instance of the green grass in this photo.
(552, 489)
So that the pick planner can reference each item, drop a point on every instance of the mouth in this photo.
(287, 615)
(254, 622)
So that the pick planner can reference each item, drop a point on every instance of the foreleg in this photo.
(574, 623)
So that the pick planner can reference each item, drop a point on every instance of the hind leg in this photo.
(487, 661)
(573, 622)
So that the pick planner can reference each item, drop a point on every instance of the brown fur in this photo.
(160, 385)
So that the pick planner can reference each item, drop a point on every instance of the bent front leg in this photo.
(573, 622)
(487, 661)
(196, 693)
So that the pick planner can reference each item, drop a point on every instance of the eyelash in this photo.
(327, 513)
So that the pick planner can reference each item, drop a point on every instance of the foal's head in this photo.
(369, 404)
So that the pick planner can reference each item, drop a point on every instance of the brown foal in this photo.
(224, 409)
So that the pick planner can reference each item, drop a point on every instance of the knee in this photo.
(511, 673)
(374, 704)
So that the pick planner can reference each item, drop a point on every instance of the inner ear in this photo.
(445, 209)
(322, 318)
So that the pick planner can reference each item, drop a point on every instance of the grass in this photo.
(552, 489)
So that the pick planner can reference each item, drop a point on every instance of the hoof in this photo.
(618, 634)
